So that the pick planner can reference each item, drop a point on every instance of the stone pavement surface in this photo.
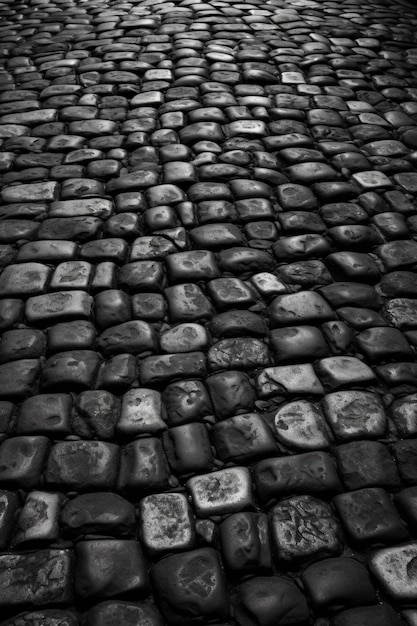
(208, 307)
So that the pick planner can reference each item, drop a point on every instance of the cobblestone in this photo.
(208, 313)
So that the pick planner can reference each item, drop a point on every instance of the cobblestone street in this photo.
(208, 311)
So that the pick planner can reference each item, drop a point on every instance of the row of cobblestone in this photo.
(208, 308)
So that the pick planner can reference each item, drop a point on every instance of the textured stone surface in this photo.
(208, 305)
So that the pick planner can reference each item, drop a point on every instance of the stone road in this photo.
(208, 306)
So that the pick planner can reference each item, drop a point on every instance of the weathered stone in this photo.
(226, 491)
(42, 578)
(166, 523)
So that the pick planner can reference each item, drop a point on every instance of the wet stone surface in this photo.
(208, 313)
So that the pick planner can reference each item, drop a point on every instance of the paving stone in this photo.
(143, 467)
(49, 617)
(133, 337)
(38, 519)
(226, 491)
(189, 337)
(312, 472)
(288, 380)
(40, 578)
(186, 401)
(9, 508)
(187, 303)
(381, 615)
(271, 599)
(18, 379)
(403, 413)
(354, 414)
(147, 275)
(156, 370)
(22, 343)
(94, 207)
(21, 461)
(366, 464)
(188, 449)
(393, 571)
(33, 192)
(59, 306)
(75, 367)
(351, 294)
(166, 523)
(338, 583)
(24, 279)
(129, 613)
(297, 343)
(45, 414)
(141, 412)
(231, 393)
(191, 587)
(353, 266)
(400, 312)
(289, 521)
(107, 568)
(369, 517)
(195, 265)
(79, 334)
(301, 425)
(11, 312)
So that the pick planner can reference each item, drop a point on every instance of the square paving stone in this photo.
(82, 465)
(354, 414)
(304, 528)
(18, 379)
(141, 276)
(143, 467)
(186, 401)
(369, 517)
(40, 578)
(45, 414)
(188, 449)
(58, 307)
(101, 513)
(76, 368)
(122, 612)
(142, 412)
(225, 491)
(394, 570)
(24, 279)
(190, 588)
(107, 568)
(245, 542)
(243, 438)
(338, 583)
(230, 293)
(21, 461)
(366, 464)
(231, 392)
(38, 520)
(166, 523)
(271, 600)
(187, 302)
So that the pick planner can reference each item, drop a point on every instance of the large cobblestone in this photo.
(208, 308)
